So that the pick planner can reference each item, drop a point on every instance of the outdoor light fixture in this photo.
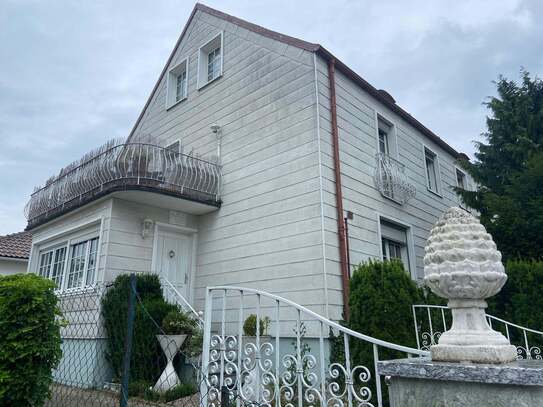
(146, 226)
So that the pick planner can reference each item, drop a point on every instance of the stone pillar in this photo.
(472, 365)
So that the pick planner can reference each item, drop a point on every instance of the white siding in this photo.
(267, 234)
(357, 113)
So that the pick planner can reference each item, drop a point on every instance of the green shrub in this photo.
(30, 339)
(178, 323)
(380, 299)
(249, 326)
(147, 359)
(179, 391)
(520, 300)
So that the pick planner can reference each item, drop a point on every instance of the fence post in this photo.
(225, 396)
(128, 341)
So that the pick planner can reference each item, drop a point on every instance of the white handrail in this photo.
(170, 286)
(326, 321)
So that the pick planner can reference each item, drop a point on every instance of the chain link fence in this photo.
(129, 360)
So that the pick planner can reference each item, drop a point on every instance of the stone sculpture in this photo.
(462, 264)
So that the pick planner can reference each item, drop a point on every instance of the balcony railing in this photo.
(391, 180)
(118, 166)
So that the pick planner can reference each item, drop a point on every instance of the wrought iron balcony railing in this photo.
(391, 180)
(118, 166)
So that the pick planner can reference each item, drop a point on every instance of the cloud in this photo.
(75, 74)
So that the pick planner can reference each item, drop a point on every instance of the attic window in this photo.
(210, 60)
(177, 84)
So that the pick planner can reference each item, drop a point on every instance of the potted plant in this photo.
(176, 327)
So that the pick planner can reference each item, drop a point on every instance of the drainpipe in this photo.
(339, 194)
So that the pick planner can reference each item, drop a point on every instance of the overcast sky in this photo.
(74, 74)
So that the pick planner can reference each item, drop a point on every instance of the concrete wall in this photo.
(12, 266)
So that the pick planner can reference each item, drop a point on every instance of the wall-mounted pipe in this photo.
(339, 194)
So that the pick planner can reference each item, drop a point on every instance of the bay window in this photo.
(72, 266)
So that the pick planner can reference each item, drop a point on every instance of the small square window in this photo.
(210, 60)
(177, 84)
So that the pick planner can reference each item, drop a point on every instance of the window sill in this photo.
(434, 192)
(200, 87)
(176, 103)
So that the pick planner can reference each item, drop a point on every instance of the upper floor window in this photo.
(76, 270)
(432, 170)
(177, 84)
(385, 134)
(210, 60)
(460, 179)
(213, 64)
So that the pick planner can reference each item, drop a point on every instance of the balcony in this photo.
(118, 167)
(391, 180)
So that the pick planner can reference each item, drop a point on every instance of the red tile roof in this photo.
(16, 245)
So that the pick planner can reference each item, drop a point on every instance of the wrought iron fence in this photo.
(391, 180)
(120, 165)
(293, 362)
(432, 320)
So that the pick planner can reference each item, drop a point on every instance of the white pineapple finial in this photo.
(462, 264)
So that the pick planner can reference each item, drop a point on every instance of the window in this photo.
(432, 170)
(385, 136)
(461, 182)
(80, 270)
(174, 147)
(210, 60)
(460, 179)
(394, 243)
(52, 265)
(177, 84)
(213, 64)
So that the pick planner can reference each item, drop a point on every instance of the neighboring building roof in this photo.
(16, 245)
(381, 95)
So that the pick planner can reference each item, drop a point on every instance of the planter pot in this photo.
(170, 345)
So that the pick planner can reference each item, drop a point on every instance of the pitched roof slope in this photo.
(16, 245)
(380, 95)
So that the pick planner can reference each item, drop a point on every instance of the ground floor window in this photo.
(394, 243)
(76, 270)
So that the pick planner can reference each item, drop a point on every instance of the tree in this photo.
(509, 169)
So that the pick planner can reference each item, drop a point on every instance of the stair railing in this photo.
(289, 364)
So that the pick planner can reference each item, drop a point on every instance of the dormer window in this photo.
(177, 84)
(210, 60)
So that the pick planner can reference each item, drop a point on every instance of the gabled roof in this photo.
(16, 245)
(379, 94)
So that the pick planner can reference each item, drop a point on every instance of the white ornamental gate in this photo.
(289, 364)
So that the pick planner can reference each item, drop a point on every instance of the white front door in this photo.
(173, 260)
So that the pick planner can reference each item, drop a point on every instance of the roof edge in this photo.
(311, 47)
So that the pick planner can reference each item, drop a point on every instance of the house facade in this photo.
(259, 160)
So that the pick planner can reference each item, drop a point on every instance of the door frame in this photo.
(179, 230)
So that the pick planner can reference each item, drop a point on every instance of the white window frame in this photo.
(78, 232)
(392, 136)
(203, 53)
(437, 169)
(466, 184)
(171, 83)
(410, 246)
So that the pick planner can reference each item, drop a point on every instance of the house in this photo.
(14, 251)
(253, 157)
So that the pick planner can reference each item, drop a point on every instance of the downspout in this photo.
(339, 194)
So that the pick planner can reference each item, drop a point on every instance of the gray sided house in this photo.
(249, 153)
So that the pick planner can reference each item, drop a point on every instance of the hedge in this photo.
(30, 323)
(147, 361)
(380, 299)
